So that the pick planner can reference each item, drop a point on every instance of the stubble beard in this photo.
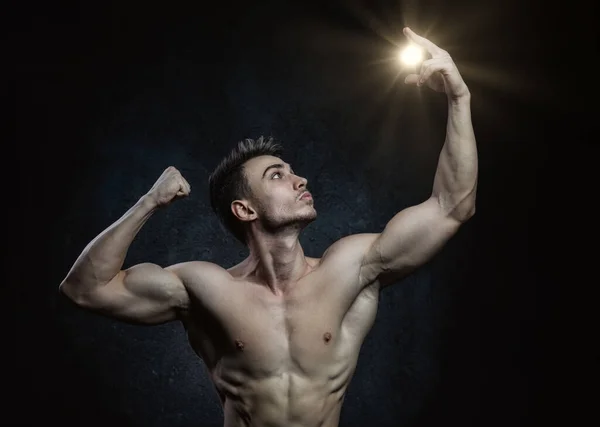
(294, 222)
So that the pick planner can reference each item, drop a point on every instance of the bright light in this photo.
(411, 55)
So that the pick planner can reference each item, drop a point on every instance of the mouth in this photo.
(305, 196)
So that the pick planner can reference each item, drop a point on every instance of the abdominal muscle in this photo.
(285, 385)
(286, 398)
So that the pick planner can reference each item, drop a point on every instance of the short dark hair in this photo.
(228, 181)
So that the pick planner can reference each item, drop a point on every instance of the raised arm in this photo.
(145, 293)
(416, 234)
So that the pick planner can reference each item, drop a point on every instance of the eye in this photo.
(276, 173)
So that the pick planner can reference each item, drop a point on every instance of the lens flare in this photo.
(411, 55)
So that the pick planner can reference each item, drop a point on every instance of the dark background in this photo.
(107, 95)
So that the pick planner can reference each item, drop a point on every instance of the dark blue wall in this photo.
(108, 96)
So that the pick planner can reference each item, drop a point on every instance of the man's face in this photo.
(279, 197)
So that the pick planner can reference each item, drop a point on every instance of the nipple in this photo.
(326, 337)
(239, 345)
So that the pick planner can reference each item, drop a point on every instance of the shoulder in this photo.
(347, 255)
(343, 262)
(197, 275)
(353, 247)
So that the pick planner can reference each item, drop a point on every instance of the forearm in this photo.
(103, 258)
(455, 182)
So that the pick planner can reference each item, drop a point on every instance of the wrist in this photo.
(148, 202)
(463, 99)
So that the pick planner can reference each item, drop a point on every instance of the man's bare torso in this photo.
(282, 360)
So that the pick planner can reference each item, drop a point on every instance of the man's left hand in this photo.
(439, 72)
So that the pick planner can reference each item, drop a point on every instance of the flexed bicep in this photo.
(410, 239)
(143, 294)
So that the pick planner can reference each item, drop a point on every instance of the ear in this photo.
(243, 211)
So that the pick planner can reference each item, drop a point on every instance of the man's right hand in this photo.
(168, 187)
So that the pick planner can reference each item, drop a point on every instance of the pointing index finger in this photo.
(421, 41)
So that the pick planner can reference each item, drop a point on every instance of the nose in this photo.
(300, 182)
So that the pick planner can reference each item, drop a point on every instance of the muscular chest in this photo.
(287, 333)
(302, 331)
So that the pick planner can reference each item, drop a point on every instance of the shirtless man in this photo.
(280, 333)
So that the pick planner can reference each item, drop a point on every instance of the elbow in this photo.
(469, 214)
(69, 290)
(464, 211)
(470, 203)
(63, 289)
(460, 207)
(461, 211)
(472, 211)
(66, 290)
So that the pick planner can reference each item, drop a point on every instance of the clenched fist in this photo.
(168, 187)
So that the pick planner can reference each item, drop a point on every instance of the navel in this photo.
(327, 337)
(239, 345)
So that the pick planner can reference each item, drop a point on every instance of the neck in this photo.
(276, 260)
